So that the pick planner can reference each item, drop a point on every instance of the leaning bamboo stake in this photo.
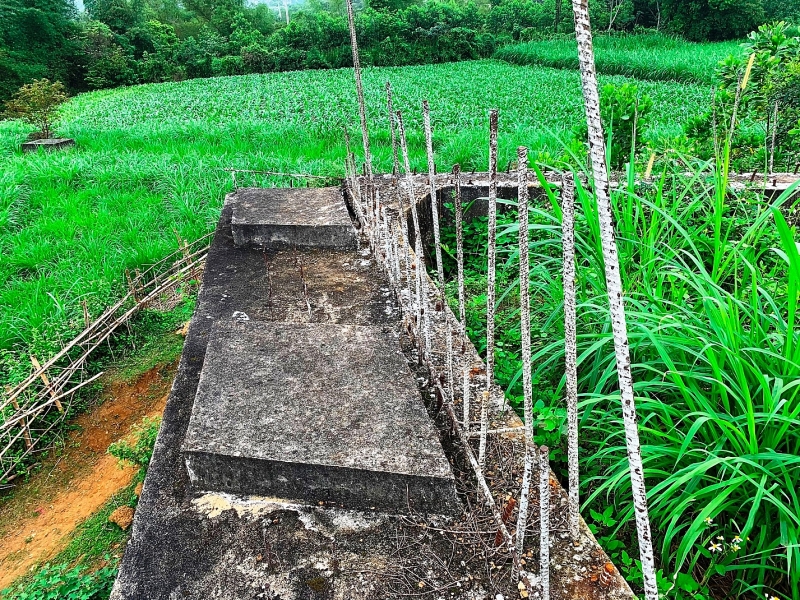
(490, 291)
(465, 399)
(395, 161)
(26, 432)
(544, 520)
(570, 346)
(482, 485)
(591, 97)
(484, 428)
(46, 382)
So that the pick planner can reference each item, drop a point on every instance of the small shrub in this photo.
(140, 451)
(59, 582)
(38, 103)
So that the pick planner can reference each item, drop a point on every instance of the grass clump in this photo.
(649, 57)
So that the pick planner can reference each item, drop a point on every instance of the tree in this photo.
(38, 103)
(713, 19)
(37, 39)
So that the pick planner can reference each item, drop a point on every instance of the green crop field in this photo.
(149, 159)
(652, 57)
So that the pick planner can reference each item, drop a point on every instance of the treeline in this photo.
(122, 42)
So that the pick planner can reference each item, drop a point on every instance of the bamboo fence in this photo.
(32, 410)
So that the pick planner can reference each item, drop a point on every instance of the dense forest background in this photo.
(122, 42)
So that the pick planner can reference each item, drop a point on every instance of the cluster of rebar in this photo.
(389, 239)
(424, 303)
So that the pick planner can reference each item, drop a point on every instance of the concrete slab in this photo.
(48, 144)
(315, 412)
(292, 218)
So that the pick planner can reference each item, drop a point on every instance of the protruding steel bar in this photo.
(544, 521)
(570, 346)
(492, 233)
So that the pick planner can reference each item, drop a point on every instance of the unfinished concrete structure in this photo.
(296, 458)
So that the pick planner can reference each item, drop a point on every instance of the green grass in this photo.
(651, 57)
(149, 161)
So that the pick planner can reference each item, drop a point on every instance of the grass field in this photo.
(651, 57)
(149, 160)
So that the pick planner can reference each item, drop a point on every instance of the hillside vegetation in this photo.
(149, 162)
(652, 57)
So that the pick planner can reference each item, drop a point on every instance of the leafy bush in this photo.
(59, 582)
(141, 450)
(38, 104)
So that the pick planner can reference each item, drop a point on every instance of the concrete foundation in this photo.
(48, 144)
(292, 218)
(315, 412)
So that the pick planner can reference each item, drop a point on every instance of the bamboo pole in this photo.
(46, 381)
(459, 210)
(570, 346)
(426, 117)
(591, 97)
(525, 334)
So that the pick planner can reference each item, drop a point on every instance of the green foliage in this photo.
(37, 104)
(626, 113)
(139, 452)
(60, 582)
(650, 56)
(773, 83)
(713, 19)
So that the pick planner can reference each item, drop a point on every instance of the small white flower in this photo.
(735, 547)
(736, 539)
(708, 521)
(719, 537)
(715, 547)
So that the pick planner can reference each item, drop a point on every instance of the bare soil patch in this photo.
(76, 480)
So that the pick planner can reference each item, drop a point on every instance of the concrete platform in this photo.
(48, 144)
(292, 218)
(315, 412)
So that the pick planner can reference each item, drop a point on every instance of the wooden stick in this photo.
(46, 381)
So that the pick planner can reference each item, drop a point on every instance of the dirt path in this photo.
(37, 518)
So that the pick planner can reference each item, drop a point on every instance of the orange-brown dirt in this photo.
(74, 482)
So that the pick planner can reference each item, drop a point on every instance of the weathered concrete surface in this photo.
(315, 412)
(47, 144)
(292, 218)
(186, 545)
